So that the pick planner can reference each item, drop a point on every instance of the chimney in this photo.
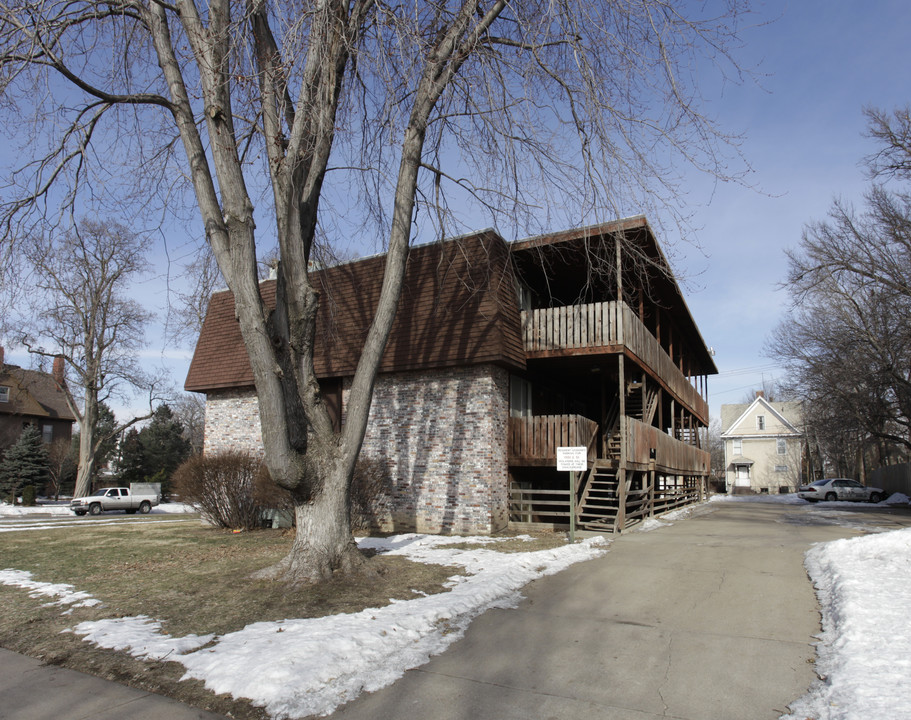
(58, 371)
(760, 393)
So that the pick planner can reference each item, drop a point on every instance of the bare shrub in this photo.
(223, 488)
(232, 489)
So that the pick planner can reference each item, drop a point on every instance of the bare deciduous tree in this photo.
(86, 317)
(846, 341)
(409, 115)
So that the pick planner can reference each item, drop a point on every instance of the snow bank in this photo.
(864, 657)
(7, 510)
(786, 499)
(311, 666)
(61, 508)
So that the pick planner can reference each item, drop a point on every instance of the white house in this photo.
(763, 446)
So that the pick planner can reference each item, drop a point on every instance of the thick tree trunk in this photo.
(323, 543)
(86, 470)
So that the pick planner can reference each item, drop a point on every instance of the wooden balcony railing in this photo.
(563, 331)
(534, 440)
(671, 455)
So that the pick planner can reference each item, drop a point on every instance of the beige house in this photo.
(763, 446)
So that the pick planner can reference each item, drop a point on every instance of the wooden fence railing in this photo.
(534, 440)
(541, 506)
(533, 505)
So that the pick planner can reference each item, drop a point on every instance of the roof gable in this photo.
(786, 414)
(458, 307)
(573, 258)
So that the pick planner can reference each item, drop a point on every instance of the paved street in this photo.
(712, 618)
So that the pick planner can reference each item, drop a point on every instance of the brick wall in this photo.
(440, 434)
(232, 421)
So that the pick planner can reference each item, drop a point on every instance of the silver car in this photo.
(832, 489)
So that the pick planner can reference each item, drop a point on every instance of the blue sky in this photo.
(817, 64)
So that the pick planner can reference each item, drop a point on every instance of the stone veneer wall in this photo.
(232, 421)
(441, 434)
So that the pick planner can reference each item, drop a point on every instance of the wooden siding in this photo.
(609, 326)
(671, 455)
(534, 441)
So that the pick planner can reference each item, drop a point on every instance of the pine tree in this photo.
(132, 464)
(25, 463)
(153, 453)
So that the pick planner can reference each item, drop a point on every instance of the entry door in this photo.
(742, 478)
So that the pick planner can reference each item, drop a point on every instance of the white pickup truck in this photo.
(131, 499)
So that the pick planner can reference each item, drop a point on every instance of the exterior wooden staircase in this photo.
(599, 501)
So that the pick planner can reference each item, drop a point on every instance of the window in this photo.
(47, 433)
(4, 394)
(760, 422)
(519, 397)
(782, 446)
(781, 468)
(738, 446)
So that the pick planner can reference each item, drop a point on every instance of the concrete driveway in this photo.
(711, 618)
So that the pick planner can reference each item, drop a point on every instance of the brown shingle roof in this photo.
(458, 307)
(33, 393)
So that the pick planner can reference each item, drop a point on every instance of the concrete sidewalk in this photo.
(32, 691)
(712, 618)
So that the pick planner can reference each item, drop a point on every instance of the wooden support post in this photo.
(620, 522)
(651, 488)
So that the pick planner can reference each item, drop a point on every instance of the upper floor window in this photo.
(47, 433)
(519, 397)
(782, 446)
(760, 422)
(4, 393)
(738, 446)
(525, 297)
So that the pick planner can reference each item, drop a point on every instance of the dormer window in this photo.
(4, 394)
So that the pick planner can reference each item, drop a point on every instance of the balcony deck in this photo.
(534, 441)
(670, 454)
(606, 327)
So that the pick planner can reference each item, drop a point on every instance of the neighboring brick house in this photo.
(32, 397)
(763, 446)
(499, 353)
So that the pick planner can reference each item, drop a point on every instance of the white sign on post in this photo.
(572, 459)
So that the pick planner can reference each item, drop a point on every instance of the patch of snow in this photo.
(63, 509)
(650, 524)
(782, 499)
(897, 499)
(66, 595)
(173, 508)
(140, 635)
(864, 656)
(311, 666)
(7, 510)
